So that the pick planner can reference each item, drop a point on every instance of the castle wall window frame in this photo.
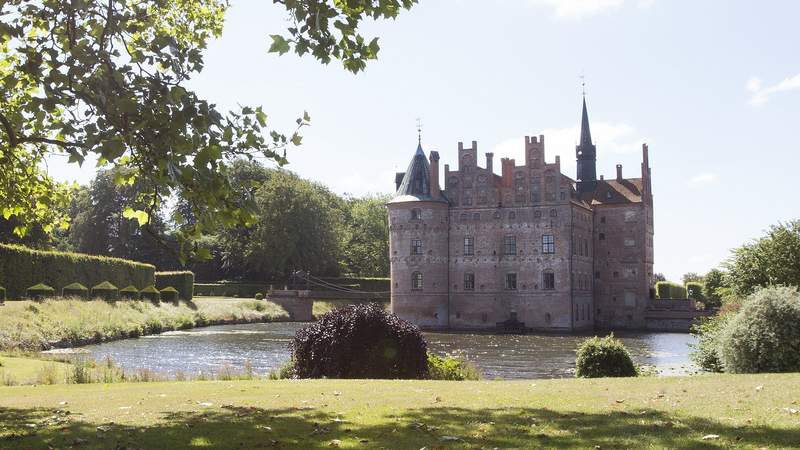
(510, 245)
(469, 281)
(548, 244)
(469, 246)
(416, 281)
(416, 247)
(511, 282)
(416, 214)
(548, 280)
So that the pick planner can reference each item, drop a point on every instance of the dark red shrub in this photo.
(360, 341)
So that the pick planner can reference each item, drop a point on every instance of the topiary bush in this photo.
(764, 336)
(129, 293)
(150, 293)
(75, 290)
(604, 357)
(169, 294)
(259, 296)
(360, 341)
(40, 290)
(182, 281)
(106, 291)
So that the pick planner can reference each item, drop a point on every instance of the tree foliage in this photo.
(365, 236)
(773, 259)
(109, 78)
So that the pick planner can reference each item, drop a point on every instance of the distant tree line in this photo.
(298, 225)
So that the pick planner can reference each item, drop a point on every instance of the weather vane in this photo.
(583, 85)
(419, 130)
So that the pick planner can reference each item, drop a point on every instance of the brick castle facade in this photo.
(531, 244)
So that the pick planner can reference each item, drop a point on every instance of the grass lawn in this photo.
(25, 370)
(709, 411)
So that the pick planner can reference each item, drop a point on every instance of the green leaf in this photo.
(279, 44)
(297, 139)
(141, 216)
(261, 117)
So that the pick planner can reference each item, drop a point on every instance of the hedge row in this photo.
(21, 268)
(695, 290)
(182, 281)
(104, 290)
(247, 290)
(668, 289)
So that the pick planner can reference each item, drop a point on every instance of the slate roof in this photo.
(416, 185)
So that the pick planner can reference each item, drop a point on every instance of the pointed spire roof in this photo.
(416, 184)
(586, 134)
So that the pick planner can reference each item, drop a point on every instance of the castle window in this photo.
(548, 243)
(597, 275)
(476, 216)
(416, 214)
(537, 214)
(563, 195)
(602, 236)
(467, 200)
(608, 195)
(416, 281)
(416, 246)
(463, 217)
(511, 281)
(469, 281)
(512, 215)
(548, 280)
(630, 242)
(469, 246)
(553, 213)
(510, 245)
(603, 219)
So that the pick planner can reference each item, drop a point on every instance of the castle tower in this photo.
(418, 250)
(586, 154)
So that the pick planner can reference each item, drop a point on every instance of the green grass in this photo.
(24, 370)
(33, 326)
(744, 411)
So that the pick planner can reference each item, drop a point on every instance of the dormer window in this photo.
(416, 214)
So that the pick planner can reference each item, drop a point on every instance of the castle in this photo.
(531, 245)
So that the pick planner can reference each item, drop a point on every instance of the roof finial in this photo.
(419, 131)
(583, 85)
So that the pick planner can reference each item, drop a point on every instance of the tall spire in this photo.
(586, 134)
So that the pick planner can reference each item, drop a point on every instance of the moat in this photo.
(265, 346)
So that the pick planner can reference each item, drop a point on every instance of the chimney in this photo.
(508, 169)
(398, 179)
(434, 175)
(619, 172)
(490, 162)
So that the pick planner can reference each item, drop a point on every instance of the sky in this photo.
(713, 87)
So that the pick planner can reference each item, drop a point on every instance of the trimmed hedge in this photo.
(169, 294)
(668, 289)
(183, 281)
(106, 291)
(75, 290)
(150, 293)
(245, 290)
(129, 293)
(695, 291)
(21, 267)
(40, 290)
(604, 357)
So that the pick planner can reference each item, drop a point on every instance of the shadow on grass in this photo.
(231, 427)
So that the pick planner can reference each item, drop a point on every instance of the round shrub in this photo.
(604, 357)
(150, 293)
(40, 290)
(360, 341)
(75, 290)
(129, 293)
(764, 336)
(106, 291)
(169, 294)
(259, 296)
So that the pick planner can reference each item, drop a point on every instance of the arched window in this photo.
(416, 214)
(548, 280)
(416, 281)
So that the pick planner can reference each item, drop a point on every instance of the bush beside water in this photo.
(604, 357)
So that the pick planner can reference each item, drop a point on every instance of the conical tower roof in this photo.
(416, 184)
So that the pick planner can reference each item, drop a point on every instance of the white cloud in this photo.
(574, 9)
(703, 179)
(616, 138)
(760, 94)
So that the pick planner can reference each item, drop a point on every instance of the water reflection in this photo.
(265, 346)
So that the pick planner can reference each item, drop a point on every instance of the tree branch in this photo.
(12, 137)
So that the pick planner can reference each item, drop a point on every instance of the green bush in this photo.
(21, 267)
(453, 368)
(695, 291)
(2, 294)
(75, 290)
(764, 336)
(129, 293)
(183, 281)
(259, 296)
(677, 291)
(169, 294)
(662, 289)
(604, 357)
(106, 291)
(150, 293)
(706, 351)
(40, 290)
(668, 289)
